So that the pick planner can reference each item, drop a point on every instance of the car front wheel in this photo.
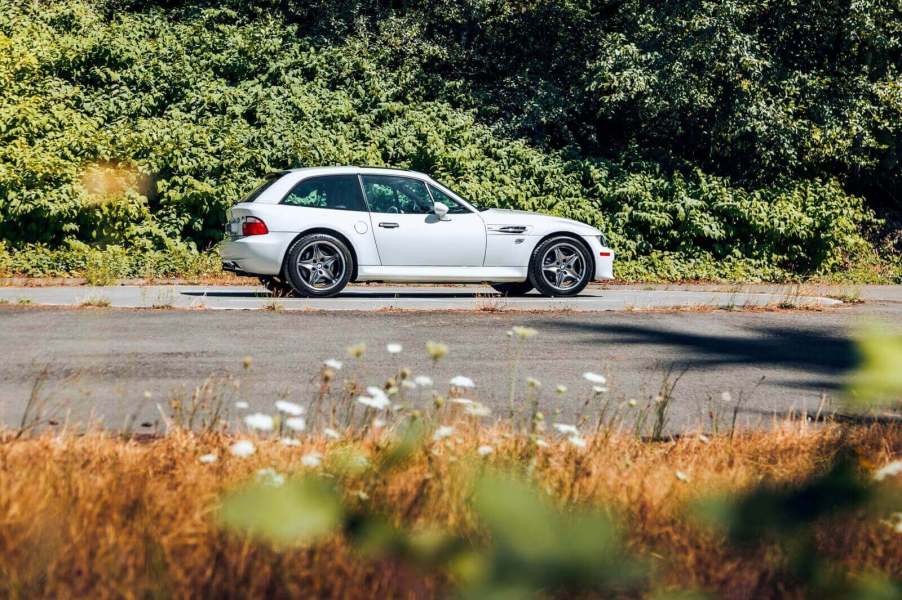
(318, 265)
(560, 266)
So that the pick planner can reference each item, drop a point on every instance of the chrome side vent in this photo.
(514, 229)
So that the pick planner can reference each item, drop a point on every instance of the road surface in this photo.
(98, 363)
(380, 297)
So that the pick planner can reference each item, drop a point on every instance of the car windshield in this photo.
(477, 205)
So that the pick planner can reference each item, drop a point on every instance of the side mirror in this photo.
(440, 210)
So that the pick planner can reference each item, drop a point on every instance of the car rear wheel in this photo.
(519, 288)
(560, 266)
(318, 265)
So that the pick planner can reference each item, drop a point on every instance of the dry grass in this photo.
(100, 516)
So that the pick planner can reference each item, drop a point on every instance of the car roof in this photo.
(348, 170)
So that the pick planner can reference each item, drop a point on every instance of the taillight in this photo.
(253, 226)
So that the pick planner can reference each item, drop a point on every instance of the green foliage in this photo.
(134, 125)
(534, 546)
(296, 512)
(878, 380)
(787, 514)
(105, 266)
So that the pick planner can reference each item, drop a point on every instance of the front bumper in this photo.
(604, 259)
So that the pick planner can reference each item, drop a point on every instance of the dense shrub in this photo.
(136, 126)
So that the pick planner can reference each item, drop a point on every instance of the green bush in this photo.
(127, 129)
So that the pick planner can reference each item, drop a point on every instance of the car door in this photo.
(408, 233)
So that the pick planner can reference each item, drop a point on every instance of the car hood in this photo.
(537, 222)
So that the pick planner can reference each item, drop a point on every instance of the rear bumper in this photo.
(256, 254)
(604, 259)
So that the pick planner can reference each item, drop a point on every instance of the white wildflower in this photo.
(378, 423)
(408, 385)
(289, 408)
(533, 382)
(681, 476)
(577, 441)
(895, 521)
(477, 410)
(599, 389)
(377, 403)
(594, 378)
(394, 348)
(631, 402)
(357, 350)
(296, 423)
(312, 459)
(329, 432)
(888, 470)
(377, 392)
(208, 458)
(270, 476)
(423, 380)
(462, 381)
(333, 364)
(703, 438)
(242, 448)
(726, 396)
(462, 401)
(286, 441)
(443, 432)
(241, 405)
(259, 421)
(485, 450)
(541, 443)
(561, 389)
(564, 428)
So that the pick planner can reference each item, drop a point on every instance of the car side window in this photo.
(396, 195)
(337, 192)
(454, 207)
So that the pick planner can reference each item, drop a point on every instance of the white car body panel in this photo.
(426, 240)
(494, 245)
(443, 274)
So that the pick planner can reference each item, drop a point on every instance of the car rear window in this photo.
(337, 192)
(270, 179)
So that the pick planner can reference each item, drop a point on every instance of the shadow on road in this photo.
(815, 351)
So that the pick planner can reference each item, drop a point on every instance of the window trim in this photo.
(454, 197)
(425, 182)
(366, 206)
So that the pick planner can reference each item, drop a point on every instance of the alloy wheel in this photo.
(321, 265)
(563, 266)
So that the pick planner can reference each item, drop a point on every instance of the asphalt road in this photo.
(381, 297)
(100, 362)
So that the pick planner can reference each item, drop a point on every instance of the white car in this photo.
(314, 230)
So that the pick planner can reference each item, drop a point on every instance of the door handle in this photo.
(388, 225)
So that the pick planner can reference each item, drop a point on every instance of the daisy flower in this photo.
(462, 381)
(259, 421)
(242, 448)
(289, 408)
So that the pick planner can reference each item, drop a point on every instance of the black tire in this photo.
(276, 286)
(573, 280)
(519, 288)
(320, 278)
